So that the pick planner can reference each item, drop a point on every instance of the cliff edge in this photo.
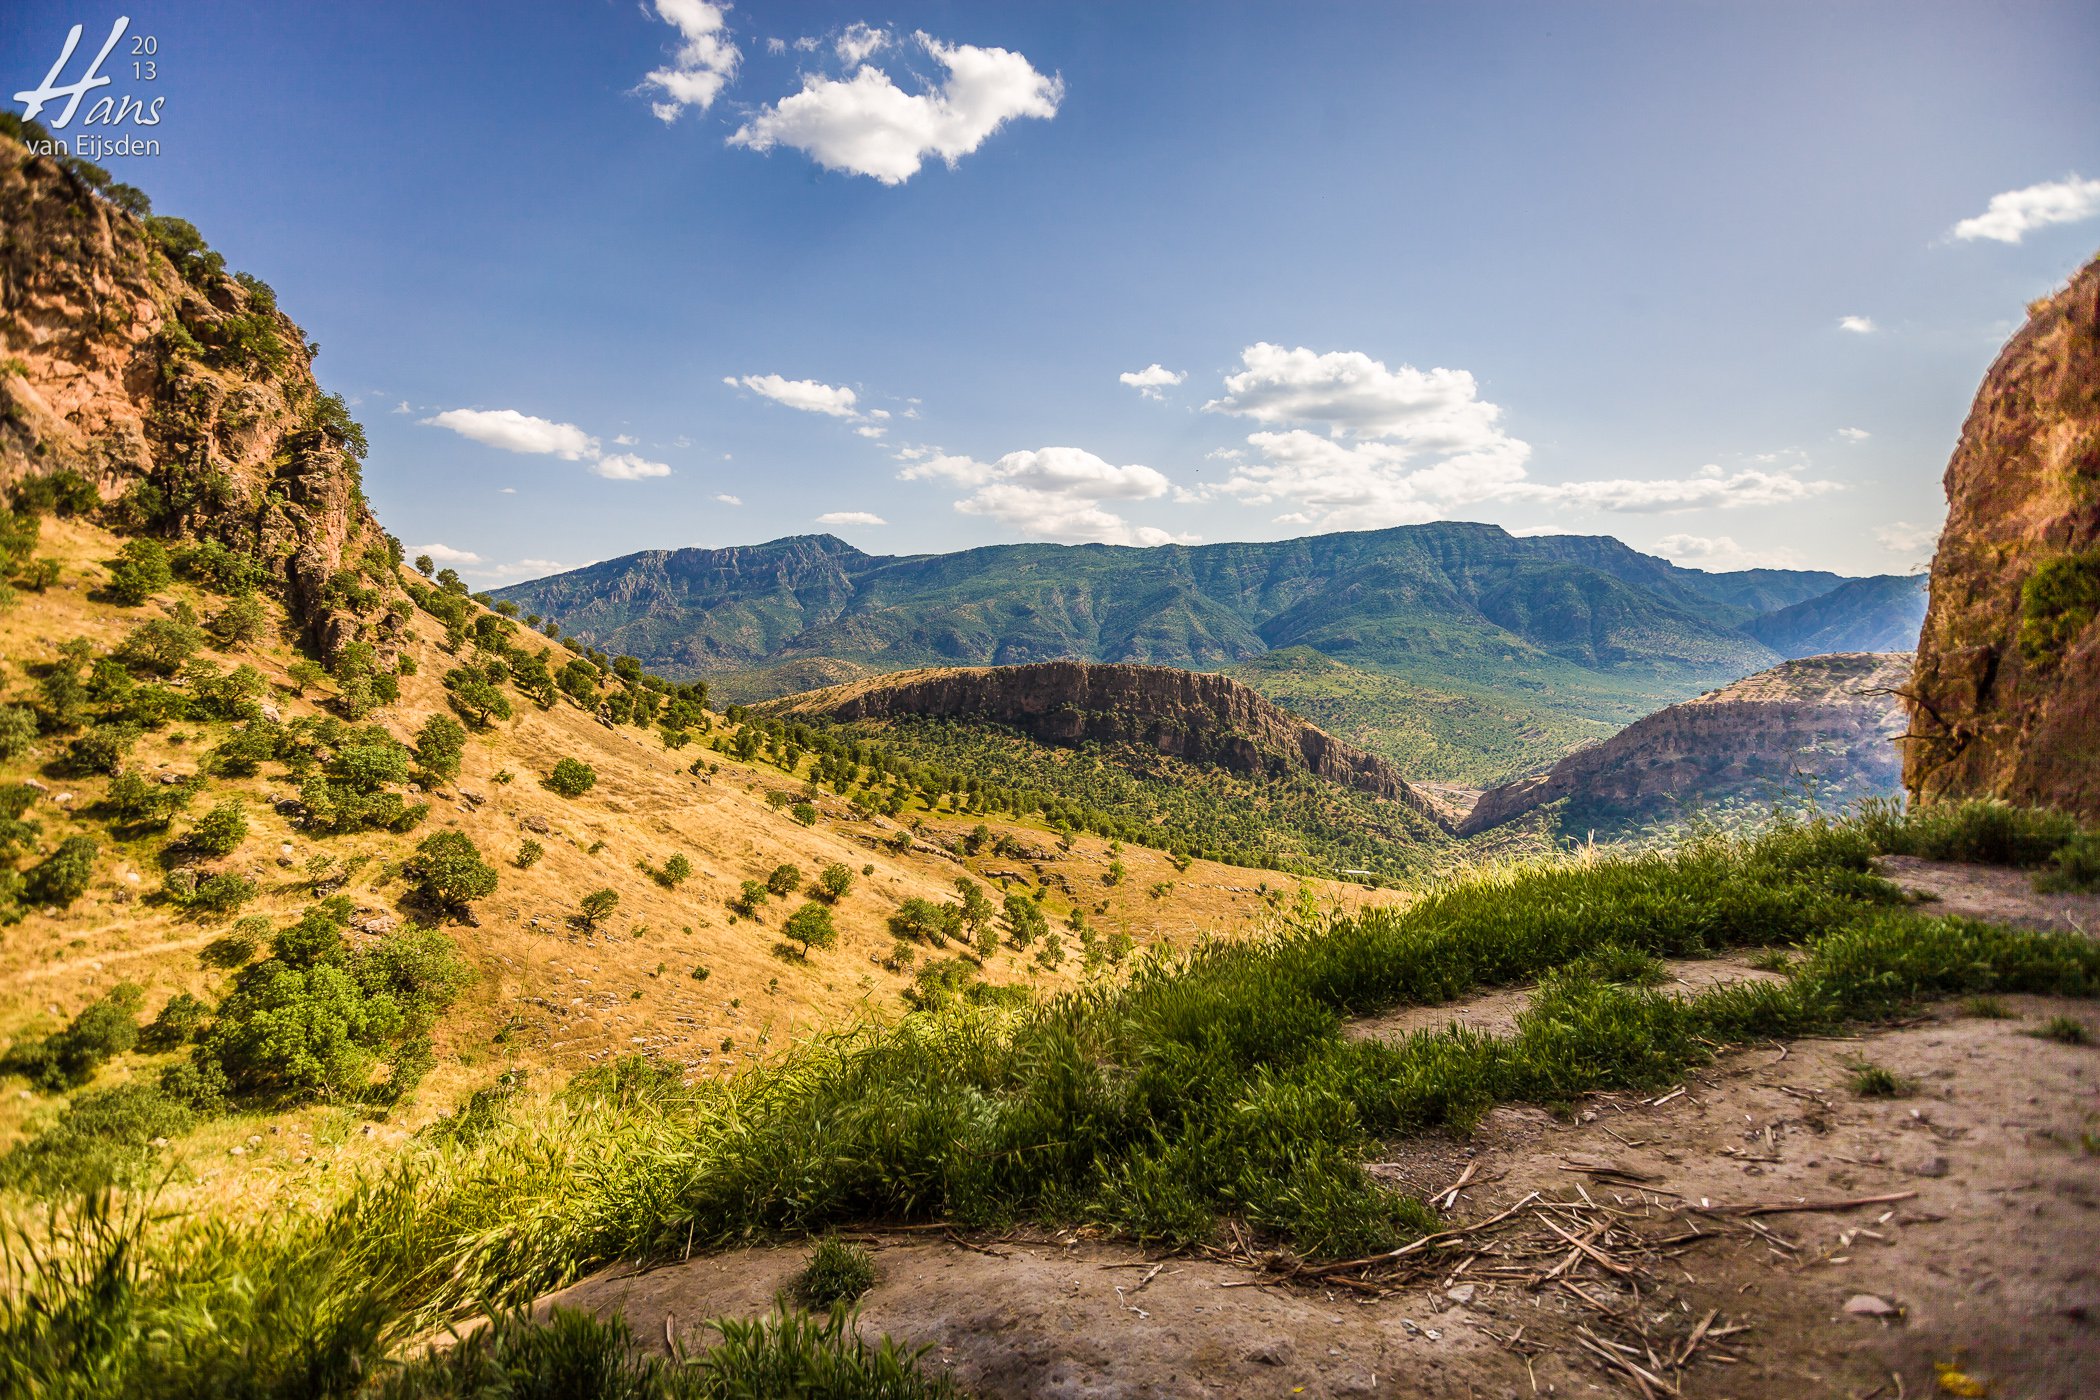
(2005, 700)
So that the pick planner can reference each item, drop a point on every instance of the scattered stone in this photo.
(1461, 1294)
(1867, 1305)
(1931, 1166)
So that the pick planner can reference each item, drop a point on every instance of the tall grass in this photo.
(1213, 1083)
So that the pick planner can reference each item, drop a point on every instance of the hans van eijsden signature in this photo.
(106, 111)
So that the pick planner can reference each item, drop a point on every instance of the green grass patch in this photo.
(1871, 1081)
(2064, 1030)
(837, 1272)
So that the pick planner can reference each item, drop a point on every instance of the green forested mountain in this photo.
(1869, 614)
(1582, 625)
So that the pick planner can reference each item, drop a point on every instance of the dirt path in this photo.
(1991, 892)
(1618, 1259)
(1496, 1012)
(1992, 1265)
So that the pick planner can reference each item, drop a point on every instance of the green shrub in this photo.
(529, 853)
(2058, 601)
(439, 745)
(139, 571)
(673, 873)
(1981, 830)
(102, 749)
(214, 566)
(784, 880)
(923, 921)
(104, 1138)
(1871, 1081)
(571, 778)
(68, 1058)
(161, 646)
(63, 876)
(837, 1272)
(2077, 863)
(18, 730)
(180, 1018)
(450, 873)
(750, 898)
(2064, 1030)
(239, 945)
(804, 812)
(195, 892)
(834, 882)
(220, 831)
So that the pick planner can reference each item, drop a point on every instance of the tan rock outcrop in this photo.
(116, 365)
(2005, 700)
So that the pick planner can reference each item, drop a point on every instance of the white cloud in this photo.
(803, 395)
(1052, 493)
(705, 63)
(870, 430)
(506, 490)
(1425, 446)
(521, 432)
(444, 553)
(850, 517)
(726, 499)
(523, 568)
(859, 42)
(401, 407)
(1153, 380)
(2012, 215)
(1854, 434)
(1719, 553)
(624, 439)
(1858, 325)
(1903, 537)
(517, 432)
(1709, 489)
(626, 466)
(1349, 393)
(867, 125)
(776, 45)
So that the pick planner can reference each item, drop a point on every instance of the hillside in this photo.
(1179, 759)
(2004, 700)
(1582, 624)
(1869, 614)
(1823, 727)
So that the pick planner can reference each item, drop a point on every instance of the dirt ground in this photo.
(1654, 1246)
(1991, 892)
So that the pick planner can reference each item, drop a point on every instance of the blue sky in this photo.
(596, 283)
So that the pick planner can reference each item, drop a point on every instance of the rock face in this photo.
(1186, 714)
(172, 387)
(2005, 701)
(1833, 719)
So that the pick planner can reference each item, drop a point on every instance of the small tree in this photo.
(804, 812)
(425, 565)
(811, 926)
(220, 831)
(597, 906)
(835, 881)
(677, 870)
(240, 621)
(529, 853)
(1025, 921)
(439, 744)
(572, 778)
(139, 571)
(976, 909)
(450, 872)
(304, 674)
(63, 876)
(784, 880)
(750, 898)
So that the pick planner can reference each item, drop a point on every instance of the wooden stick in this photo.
(1587, 1248)
(1422, 1243)
(1698, 1334)
(1783, 1208)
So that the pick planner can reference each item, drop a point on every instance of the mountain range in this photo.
(1580, 625)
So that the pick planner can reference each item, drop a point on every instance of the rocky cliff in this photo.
(140, 374)
(1829, 719)
(1186, 714)
(2005, 701)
